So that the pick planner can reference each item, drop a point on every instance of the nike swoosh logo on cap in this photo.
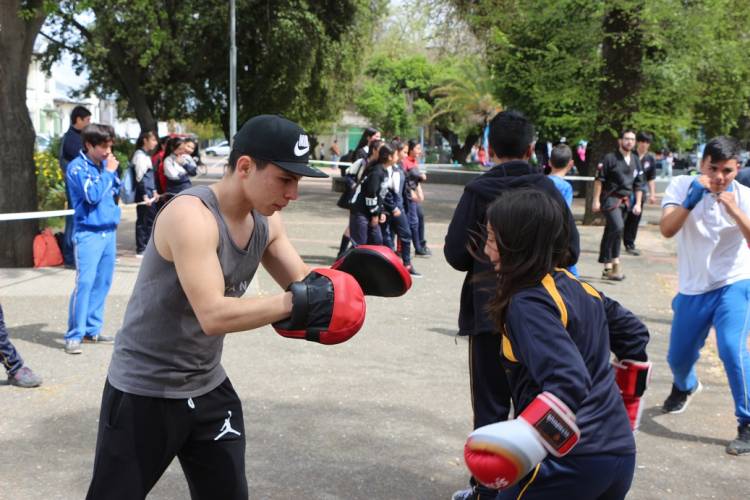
(302, 146)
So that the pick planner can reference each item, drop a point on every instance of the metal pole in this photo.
(232, 75)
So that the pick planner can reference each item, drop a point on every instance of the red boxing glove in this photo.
(377, 269)
(632, 378)
(499, 455)
(327, 307)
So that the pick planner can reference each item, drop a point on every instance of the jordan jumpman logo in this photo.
(227, 427)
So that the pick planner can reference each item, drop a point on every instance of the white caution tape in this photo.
(35, 215)
(54, 213)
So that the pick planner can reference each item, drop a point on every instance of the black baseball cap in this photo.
(278, 140)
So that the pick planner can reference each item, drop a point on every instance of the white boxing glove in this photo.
(499, 455)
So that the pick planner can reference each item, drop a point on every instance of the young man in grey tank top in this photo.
(166, 393)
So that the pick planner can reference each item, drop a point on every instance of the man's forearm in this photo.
(597, 189)
(672, 220)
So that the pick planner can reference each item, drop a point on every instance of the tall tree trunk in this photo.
(622, 72)
(17, 171)
(459, 152)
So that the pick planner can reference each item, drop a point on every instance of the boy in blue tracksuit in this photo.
(93, 183)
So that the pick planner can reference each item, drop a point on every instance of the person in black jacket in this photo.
(395, 204)
(511, 140)
(145, 189)
(367, 205)
(647, 173)
(617, 180)
(370, 138)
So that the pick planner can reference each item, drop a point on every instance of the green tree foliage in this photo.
(170, 59)
(395, 93)
(683, 66)
(452, 95)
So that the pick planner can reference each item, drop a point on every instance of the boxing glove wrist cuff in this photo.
(632, 377)
(695, 193)
(300, 304)
(553, 422)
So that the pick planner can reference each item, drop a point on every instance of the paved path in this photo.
(383, 416)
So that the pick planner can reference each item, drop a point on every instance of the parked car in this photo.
(221, 149)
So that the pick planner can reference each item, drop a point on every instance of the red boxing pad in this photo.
(632, 377)
(377, 269)
(330, 318)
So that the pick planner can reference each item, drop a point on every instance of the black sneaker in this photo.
(413, 272)
(678, 400)
(741, 445)
(99, 339)
(423, 252)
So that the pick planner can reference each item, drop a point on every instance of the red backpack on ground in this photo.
(46, 250)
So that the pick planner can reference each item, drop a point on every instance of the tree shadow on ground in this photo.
(36, 333)
(650, 426)
(323, 449)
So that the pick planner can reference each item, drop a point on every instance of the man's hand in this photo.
(652, 199)
(729, 201)
(698, 187)
(596, 206)
(636, 209)
(112, 163)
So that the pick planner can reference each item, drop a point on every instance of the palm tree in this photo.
(467, 97)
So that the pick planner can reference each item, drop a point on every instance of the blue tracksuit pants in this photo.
(728, 310)
(95, 254)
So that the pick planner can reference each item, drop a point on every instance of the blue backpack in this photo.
(127, 191)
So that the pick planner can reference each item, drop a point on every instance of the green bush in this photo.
(50, 186)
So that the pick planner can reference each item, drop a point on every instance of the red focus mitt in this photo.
(377, 269)
(328, 306)
(632, 378)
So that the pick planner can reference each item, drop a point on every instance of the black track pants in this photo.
(140, 436)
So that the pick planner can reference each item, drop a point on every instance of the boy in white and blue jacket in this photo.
(93, 184)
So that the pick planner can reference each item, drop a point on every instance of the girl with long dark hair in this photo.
(363, 151)
(145, 189)
(367, 212)
(572, 432)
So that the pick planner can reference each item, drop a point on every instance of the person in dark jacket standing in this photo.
(367, 204)
(648, 185)
(70, 148)
(617, 179)
(145, 189)
(512, 144)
